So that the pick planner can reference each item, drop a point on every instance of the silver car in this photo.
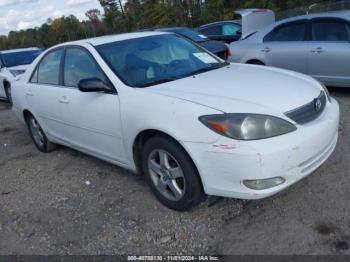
(315, 44)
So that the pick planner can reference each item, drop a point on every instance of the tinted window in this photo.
(330, 31)
(157, 59)
(48, 70)
(230, 29)
(20, 58)
(291, 32)
(80, 65)
(212, 30)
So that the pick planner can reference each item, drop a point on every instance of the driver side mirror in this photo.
(94, 85)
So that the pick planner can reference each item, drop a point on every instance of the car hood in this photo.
(244, 88)
(20, 67)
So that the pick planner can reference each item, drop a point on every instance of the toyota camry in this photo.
(192, 124)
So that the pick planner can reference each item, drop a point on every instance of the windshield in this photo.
(157, 59)
(20, 58)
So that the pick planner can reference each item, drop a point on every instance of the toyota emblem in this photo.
(318, 104)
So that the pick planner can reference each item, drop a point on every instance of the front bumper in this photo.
(224, 164)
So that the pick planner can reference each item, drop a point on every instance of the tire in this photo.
(174, 180)
(7, 88)
(38, 136)
(256, 62)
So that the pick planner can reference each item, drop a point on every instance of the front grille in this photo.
(310, 111)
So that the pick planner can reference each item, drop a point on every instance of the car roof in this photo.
(222, 22)
(341, 14)
(115, 38)
(172, 28)
(18, 50)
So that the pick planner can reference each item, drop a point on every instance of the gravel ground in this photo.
(66, 202)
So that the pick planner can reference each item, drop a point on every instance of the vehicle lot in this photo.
(68, 203)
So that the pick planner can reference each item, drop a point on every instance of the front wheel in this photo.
(171, 174)
(39, 138)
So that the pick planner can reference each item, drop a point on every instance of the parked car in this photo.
(250, 20)
(315, 44)
(225, 31)
(193, 125)
(12, 64)
(216, 47)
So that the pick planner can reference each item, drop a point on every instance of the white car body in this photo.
(107, 125)
(7, 74)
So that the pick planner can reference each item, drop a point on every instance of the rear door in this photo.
(42, 93)
(329, 52)
(286, 46)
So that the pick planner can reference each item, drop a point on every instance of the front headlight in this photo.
(247, 126)
(326, 91)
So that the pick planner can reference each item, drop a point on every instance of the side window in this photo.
(80, 65)
(34, 78)
(330, 31)
(287, 33)
(230, 29)
(48, 71)
(212, 30)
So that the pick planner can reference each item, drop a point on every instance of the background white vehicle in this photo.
(193, 124)
(315, 44)
(12, 64)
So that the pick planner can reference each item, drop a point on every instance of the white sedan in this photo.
(193, 124)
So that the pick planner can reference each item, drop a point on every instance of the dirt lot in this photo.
(68, 203)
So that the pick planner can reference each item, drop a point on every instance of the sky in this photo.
(24, 14)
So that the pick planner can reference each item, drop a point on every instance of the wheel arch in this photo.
(255, 61)
(6, 82)
(140, 140)
(26, 113)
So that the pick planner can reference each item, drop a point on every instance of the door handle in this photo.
(317, 50)
(64, 100)
(29, 93)
(266, 50)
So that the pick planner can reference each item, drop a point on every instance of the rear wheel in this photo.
(171, 174)
(7, 87)
(39, 138)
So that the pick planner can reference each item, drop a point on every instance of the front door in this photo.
(92, 121)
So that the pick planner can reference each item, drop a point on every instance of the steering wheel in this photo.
(176, 67)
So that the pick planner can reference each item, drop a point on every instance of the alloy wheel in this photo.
(166, 174)
(37, 132)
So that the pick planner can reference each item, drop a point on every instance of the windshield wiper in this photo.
(206, 69)
(157, 82)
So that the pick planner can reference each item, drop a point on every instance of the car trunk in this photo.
(255, 19)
